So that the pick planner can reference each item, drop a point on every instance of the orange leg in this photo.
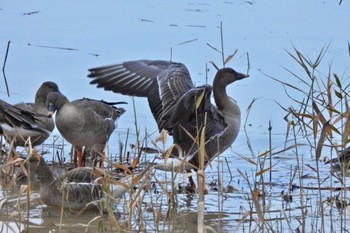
(79, 153)
(102, 160)
(193, 186)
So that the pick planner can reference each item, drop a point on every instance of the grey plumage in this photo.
(77, 187)
(85, 122)
(23, 120)
(172, 98)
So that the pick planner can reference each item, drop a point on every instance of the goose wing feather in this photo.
(103, 108)
(162, 82)
(15, 116)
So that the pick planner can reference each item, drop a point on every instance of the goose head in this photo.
(54, 102)
(45, 89)
(39, 167)
(41, 95)
(226, 76)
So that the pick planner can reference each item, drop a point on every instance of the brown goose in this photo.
(172, 99)
(24, 120)
(76, 189)
(80, 126)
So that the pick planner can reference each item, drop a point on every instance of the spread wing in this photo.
(162, 82)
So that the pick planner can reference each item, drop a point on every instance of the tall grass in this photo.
(317, 124)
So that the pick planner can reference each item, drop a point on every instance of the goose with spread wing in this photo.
(177, 105)
(23, 120)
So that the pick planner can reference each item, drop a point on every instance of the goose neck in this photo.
(220, 94)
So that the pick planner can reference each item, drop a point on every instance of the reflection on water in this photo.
(44, 219)
(230, 203)
(14, 214)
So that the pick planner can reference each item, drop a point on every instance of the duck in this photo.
(106, 110)
(80, 126)
(21, 121)
(178, 106)
(77, 189)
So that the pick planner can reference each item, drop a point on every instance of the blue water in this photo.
(60, 41)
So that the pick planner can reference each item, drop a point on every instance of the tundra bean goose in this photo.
(78, 186)
(172, 98)
(80, 126)
(104, 109)
(24, 120)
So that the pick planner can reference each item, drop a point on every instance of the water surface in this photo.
(59, 41)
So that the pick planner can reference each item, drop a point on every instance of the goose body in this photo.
(105, 110)
(341, 164)
(80, 125)
(76, 189)
(177, 105)
(23, 120)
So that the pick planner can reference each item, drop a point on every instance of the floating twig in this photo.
(214, 48)
(229, 170)
(196, 26)
(217, 68)
(52, 47)
(31, 13)
(248, 68)
(3, 68)
(186, 42)
(147, 20)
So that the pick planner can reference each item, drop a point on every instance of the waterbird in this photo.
(81, 126)
(106, 110)
(28, 120)
(179, 107)
(76, 189)
(341, 164)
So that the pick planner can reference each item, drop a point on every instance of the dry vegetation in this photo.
(317, 124)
